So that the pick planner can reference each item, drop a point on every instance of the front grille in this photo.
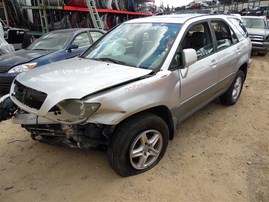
(256, 37)
(3, 69)
(28, 96)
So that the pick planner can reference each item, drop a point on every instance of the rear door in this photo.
(229, 51)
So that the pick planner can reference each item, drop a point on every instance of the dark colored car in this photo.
(243, 11)
(259, 11)
(51, 47)
(13, 35)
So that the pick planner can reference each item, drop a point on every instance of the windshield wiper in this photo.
(38, 49)
(111, 60)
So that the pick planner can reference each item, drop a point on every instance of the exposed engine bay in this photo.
(84, 136)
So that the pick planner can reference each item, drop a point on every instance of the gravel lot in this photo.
(219, 154)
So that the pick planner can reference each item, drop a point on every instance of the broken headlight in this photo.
(78, 108)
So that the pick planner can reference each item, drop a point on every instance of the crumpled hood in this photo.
(261, 32)
(76, 78)
(20, 57)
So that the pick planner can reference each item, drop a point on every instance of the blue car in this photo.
(51, 47)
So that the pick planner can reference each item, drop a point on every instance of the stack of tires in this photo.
(106, 4)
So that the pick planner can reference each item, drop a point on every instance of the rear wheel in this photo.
(138, 144)
(231, 96)
(262, 53)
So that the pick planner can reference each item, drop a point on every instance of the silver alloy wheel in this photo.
(237, 88)
(145, 149)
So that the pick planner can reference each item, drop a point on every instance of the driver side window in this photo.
(197, 37)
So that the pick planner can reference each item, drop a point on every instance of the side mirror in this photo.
(73, 46)
(189, 56)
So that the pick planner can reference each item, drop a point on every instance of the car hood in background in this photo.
(261, 32)
(20, 57)
(77, 77)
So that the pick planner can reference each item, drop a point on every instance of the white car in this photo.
(258, 29)
(129, 90)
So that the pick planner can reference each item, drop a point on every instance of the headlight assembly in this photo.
(22, 68)
(78, 108)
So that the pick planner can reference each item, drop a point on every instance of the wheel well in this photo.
(244, 69)
(165, 114)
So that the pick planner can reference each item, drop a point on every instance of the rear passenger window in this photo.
(239, 25)
(234, 37)
(225, 36)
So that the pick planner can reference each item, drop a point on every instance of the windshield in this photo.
(256, 8)
(142, 45)
(254, 23)
(51, 41)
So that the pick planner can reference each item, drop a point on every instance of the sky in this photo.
(174, 3)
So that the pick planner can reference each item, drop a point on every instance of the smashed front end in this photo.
(67, 125)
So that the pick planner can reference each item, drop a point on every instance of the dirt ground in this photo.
(219, 154)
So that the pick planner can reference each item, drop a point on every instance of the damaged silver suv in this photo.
(128, 91)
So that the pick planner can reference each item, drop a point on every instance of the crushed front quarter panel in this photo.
(74, 79)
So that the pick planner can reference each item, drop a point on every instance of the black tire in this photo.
(7, 108)
(231, 96)
(262, 53)
(146, 133)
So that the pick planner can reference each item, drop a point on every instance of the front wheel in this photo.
(138, 144)
(231, 96)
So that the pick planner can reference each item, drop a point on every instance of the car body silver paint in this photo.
(55, 80)
(126, 100)
(182, 96)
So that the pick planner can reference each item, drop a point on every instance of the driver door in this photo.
(198, 81)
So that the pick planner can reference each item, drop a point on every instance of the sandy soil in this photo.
(219, 154)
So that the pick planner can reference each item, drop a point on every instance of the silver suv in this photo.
(127, 93)
(258, 29)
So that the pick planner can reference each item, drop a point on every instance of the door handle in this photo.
(238, 50)
(213, 63)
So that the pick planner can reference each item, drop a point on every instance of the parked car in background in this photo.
(14, 36)
(128, 91)
(5, 47)
(51, 47)
(243, 11)
(193, 5)
(259, 11)
(257, 27)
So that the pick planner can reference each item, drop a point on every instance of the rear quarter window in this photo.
(239, 26)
